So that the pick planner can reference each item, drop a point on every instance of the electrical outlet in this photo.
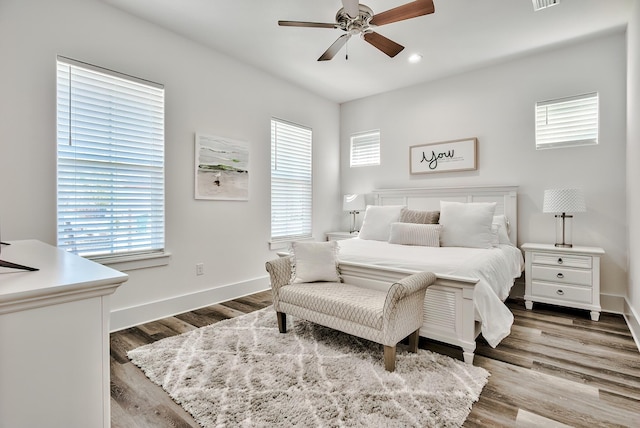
(199, 268)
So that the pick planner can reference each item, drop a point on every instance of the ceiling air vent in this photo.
(543, 4)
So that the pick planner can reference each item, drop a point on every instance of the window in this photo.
(110, 136)
(565, 122)
(365, 149)
(291, 181)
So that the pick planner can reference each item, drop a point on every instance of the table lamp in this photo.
(563, 201)
(353, 204)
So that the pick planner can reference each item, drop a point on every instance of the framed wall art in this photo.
(447, 156)
(221, 168)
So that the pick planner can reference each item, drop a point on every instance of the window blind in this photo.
(365, 149)
(291, 181)
(110, 181)
(565, 122)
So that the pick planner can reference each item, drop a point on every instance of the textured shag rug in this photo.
(243, 372)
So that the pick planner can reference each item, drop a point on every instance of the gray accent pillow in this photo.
(421, 217)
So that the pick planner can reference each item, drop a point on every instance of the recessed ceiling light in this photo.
(543, 4)
(415, 58)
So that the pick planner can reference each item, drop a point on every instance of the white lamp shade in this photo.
(353, 202)
(564, 201)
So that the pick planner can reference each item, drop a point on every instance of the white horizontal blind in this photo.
(291, 181)
(564, 122)
(110, 135)
(365, 149)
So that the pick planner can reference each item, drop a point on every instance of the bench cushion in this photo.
(356, 304)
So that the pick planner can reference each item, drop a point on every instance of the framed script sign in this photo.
(457, 155)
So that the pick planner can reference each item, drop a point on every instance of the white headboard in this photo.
(506, 198)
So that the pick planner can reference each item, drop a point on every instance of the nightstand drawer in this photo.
(561, 292)
(558, 259)
(562, 275)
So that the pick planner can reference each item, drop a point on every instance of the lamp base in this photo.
(564, 231)
(564, 245)
(352, 229)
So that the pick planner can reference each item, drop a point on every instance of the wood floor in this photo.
(557, 368)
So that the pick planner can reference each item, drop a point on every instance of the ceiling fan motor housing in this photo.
(357, 25)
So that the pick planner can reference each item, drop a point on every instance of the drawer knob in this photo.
(560, 260)
(560, 275)
(559, 292)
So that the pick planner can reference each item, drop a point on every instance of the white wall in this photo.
(205, 92)
(496, 105)
(633, 172)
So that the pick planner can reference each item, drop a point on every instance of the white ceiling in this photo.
(460, 35)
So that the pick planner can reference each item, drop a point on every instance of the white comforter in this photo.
(495, 268)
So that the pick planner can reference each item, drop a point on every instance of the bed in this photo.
(467, 298)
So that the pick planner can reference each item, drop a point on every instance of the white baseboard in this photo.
(633, 321)
(135, 315)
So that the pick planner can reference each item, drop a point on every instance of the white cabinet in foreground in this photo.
(54, 338)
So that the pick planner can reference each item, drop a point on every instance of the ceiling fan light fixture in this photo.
(543, 4)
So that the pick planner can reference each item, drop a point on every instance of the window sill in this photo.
(282, 245)
(140, 261)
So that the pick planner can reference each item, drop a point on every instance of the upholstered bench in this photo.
(384, 317)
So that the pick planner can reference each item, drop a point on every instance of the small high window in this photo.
(365, 149)
(565, 122)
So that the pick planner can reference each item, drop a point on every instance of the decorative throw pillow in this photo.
(415, 216)
(377, 221)
(427, 235)
(466, 224)
(314, 261)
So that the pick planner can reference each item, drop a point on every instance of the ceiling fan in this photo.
(356, 18)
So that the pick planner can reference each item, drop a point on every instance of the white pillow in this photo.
(502, 229)
(426, 235)
(466, 224)
(376, 224)
(314, 261)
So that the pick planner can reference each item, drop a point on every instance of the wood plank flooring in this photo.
(557, 368)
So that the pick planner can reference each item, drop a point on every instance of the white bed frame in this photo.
(449, 315)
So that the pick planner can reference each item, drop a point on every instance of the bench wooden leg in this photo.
(414, 338)
(390, 358)
(282, 322)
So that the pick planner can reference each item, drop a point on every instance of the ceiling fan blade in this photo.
(306, 24)
(351, 7)
(387, 46)
(334, 48)
(410, 10)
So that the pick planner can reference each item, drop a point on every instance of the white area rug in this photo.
(243, 372)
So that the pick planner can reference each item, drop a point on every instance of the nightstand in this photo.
(337, 236)
(563, 276)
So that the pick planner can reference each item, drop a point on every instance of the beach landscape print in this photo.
(221, 168)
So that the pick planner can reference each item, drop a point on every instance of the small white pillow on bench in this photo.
(314, 261)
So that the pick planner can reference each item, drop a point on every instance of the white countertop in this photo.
(62, 276)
